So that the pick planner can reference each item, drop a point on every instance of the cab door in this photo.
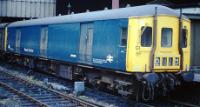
(140, 41)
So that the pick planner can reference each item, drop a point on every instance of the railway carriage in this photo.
(133, 51)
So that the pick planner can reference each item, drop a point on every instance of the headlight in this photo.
(176, 61)
(157, 61)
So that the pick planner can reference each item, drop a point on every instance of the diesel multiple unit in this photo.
(133, 51)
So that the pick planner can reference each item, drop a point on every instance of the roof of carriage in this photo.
(145, 10)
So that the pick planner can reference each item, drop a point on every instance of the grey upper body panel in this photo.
(145, 10)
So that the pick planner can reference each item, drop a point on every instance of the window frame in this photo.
(171, 44)
(142, 32)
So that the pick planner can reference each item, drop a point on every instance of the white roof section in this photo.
(145, 10)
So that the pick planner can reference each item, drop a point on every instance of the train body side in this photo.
(96, 38)
(63, 40)
(96, 43)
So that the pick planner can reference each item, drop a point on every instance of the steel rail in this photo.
(23, 95)
(64, 96)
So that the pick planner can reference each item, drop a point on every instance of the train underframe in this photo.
(140, 86)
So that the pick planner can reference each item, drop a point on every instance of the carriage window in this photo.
(166, 40)
(146, 36)
(124, 36)
(183, 39)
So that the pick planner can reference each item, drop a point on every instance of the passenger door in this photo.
(86, 40)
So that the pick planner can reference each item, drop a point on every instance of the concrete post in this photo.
(115, 4)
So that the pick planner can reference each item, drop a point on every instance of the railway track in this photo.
(12, 99)
(39, 95)
(40, 98)
(90, 95)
